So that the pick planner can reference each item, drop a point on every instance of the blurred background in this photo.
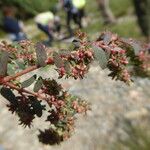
(120, 115)
(114, 15)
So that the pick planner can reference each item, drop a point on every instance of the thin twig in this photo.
(12, 86)
(9, 78)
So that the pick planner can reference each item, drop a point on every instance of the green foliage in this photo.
(120, 7)
(38, 85)
(138, 137)
(28, 82)
(101, 57)
(109, 50)
(127, 28)
(41, 55)
(30, 7)
(4, 57)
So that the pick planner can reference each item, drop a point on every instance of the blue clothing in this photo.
(11, 26)
(68, 5)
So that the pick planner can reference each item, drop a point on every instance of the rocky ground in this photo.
(110, 102)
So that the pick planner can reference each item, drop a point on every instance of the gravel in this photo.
(97, 130)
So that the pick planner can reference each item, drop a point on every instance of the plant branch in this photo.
(9, 78)
(12, 86)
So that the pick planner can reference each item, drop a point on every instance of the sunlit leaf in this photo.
(58, 60)
(137, 47)
(3, 63)
(38, 85)
(100, 56)
(107, 38)
(28, 82)
(67, 67)
(41, 54)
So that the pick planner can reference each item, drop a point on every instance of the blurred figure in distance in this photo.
(11, 25)
(72, 14)
(48, 23)
(80, 5)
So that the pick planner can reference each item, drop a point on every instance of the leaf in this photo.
(3, 63)
(37, 107)
(126, 40)
(38, 84)
(28, 82)
(41, 55)
(100, 56)
(11, 69)
(64, 52)
(58, 60)
(20, 64)
(137, 47)
(9, 95)
(107, 38)
(76, 43)
(67, 67)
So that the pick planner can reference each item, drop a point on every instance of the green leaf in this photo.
(9, 95)
(41, 55)
(107, 38)
(28, 82)
(3, 63)
(20, 64)
(58, 60)
(64, 52)
(137, 47)
(11, 69)
(100, 56)
(67, 67)
(38, 84)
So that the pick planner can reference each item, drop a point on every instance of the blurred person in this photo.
(142, 10)
(48, 23)
(57, 20)
(13, 26)
(106, 12)
(80, 5)
(72, 14)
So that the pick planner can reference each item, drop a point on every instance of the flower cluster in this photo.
(120, 56)
(78, 64)
(144, 67)
(117, 58)
(117, 65)
(61, 115)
